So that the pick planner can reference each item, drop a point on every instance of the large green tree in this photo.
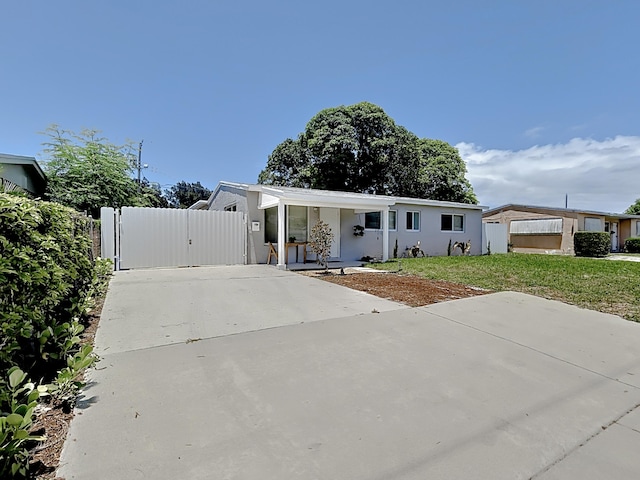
(634, 209)
(184, 194)
(86, 171)
(359, 148)
(442, 173)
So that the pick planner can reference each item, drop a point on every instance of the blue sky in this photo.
(541, 97)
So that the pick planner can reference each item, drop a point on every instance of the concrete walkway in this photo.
(254, 373)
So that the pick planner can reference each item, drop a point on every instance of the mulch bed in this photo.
(408, 289)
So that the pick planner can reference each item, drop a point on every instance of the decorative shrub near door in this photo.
(592, 244)
(632, 245)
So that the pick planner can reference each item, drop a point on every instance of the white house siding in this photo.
(354, 248)
(433, 241)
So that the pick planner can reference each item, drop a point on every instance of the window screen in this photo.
(297, 223)
(452, 223)
(372, 220)
(592, 224)
(271, 225)
(413, 221)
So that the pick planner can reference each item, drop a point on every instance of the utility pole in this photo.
(139, 165)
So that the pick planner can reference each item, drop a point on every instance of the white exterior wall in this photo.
(354, 248)
(433, 241)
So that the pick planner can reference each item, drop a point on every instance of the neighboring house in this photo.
(283, 215)
(22, 172)
(547, 229)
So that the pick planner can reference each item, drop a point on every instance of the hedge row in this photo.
(632, 245)
(591, 244)
(45, 277)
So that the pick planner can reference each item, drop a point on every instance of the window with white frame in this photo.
(373, 220)
(638, 228)
(451, 223)
(231, 208)
(413, 221)
(271, 225)
(297, 227)
(393, 220)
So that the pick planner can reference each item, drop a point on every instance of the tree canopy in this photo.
(359, 148)
(184, 194)
(87, 172)
(634, 209)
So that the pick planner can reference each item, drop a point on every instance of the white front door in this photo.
(614, 236)
(331, 216)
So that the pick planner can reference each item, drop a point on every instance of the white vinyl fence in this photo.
(138, 237)
(494, 236)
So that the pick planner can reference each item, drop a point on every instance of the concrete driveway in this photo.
(253, 373)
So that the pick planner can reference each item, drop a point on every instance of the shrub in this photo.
(16, 417)
(321, 240)
(591, 244)
(632, 245)
(47, 280)
(45, 276)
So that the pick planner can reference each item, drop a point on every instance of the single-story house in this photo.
(21, 172)
(548, 229)
(375, 226)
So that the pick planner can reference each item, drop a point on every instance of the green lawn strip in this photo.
(597, 284)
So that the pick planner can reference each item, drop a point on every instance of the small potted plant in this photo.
(358, 230)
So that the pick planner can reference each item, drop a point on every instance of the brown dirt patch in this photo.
(408, 289)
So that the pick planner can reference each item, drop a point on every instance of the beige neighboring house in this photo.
(550, 230)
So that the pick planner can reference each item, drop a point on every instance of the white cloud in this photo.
(534, 132)
(597, 175)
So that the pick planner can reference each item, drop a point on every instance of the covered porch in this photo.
(290, 214)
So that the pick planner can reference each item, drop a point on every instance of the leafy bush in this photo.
(632, 245)
(591, 244)
(68, 383)
(47, 284)
(45, 276)
(16, 416)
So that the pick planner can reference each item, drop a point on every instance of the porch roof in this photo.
(271, 195)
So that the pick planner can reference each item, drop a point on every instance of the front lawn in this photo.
(598, 284)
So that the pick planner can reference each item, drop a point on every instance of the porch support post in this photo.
(282, 250)
(385, 234)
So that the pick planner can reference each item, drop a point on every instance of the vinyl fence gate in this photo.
(137, 237)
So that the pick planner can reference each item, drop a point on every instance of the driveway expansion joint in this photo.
(583, 443)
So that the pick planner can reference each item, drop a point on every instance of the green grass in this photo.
(597, 284)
